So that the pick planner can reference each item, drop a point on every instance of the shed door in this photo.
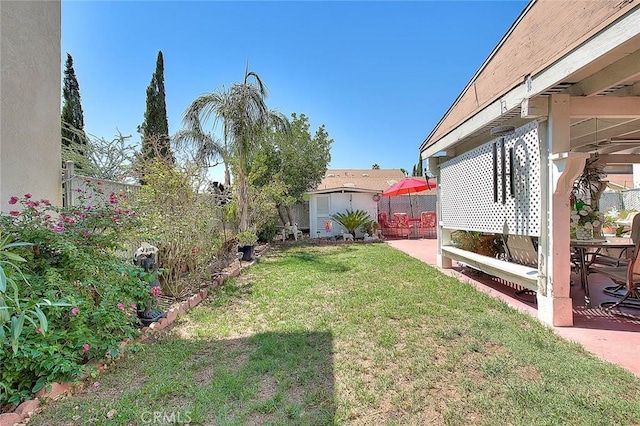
(322, 215)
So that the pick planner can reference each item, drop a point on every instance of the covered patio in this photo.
(561, 88)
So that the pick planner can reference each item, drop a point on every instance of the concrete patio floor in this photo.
(611, 337)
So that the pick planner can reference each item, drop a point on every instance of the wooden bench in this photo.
(526, 276)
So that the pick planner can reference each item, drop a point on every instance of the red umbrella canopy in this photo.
(408, 185)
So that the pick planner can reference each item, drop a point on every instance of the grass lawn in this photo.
(354, 334)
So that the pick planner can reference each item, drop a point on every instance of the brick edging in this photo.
(59, 389)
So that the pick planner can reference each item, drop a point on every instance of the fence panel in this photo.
(77, 186)
(631, 199)
(413, 205)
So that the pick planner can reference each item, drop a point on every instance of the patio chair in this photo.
(617, 257)
(388, 227)
(403, 226)
(523, 250)
(627, 221)
(628, 279)
(428, 223)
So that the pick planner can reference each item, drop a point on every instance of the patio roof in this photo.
(597, 64)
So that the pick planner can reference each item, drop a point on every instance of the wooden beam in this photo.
(534, 107)
(610, 76)
(559, 123)
(605, 106)
(619, 158)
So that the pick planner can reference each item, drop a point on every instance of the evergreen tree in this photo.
(155, 128)
(73, 138)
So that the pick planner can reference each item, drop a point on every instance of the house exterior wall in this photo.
(30, 77)
(545, 33)
(339, 203)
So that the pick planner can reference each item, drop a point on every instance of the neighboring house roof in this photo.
(358, 180)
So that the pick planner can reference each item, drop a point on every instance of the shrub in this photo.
(268, 231)
(352, 220)
(71, 259)
(182, 222)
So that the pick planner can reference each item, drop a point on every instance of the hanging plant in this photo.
(587, 185)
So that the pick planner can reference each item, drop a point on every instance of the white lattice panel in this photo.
(467, 194)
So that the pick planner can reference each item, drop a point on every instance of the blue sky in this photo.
(379, 75)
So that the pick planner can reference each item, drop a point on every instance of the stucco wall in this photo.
(30, 82)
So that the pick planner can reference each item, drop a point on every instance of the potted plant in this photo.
(247, 240)
(584, 220)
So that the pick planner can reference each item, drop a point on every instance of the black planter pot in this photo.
(149, 316)
(247, 252)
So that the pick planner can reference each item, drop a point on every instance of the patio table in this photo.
(585, 248)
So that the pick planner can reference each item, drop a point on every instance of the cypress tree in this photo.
(155, 128)
(72, 116)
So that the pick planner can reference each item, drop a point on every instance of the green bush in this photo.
(268, 231)
(71, 260)
(182, 222)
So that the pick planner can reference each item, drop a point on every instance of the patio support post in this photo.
(443, 235)
(559, 168)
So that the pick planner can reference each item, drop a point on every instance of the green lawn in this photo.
(354, 334)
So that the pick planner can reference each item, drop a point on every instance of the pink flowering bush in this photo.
(71, 258)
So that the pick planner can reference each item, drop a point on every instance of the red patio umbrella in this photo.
(409, 185)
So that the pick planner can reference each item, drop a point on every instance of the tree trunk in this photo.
(227, 176)
(289, 215)
(243, 203)
(283, 220)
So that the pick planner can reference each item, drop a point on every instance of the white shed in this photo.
(347, 189)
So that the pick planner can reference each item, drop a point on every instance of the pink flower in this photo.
(156, 291)
(57, 228)
(38, 330)
(120, 306)
(13, 200)
(133, 306)
(75, 310)
(46, 202)
(96, 384)
(86, 234)
(86, 347)
(99, 183)
(47, 216)
(27, 195)
(14, 213)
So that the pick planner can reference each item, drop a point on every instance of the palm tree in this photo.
(245, 119)
(209, 150)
